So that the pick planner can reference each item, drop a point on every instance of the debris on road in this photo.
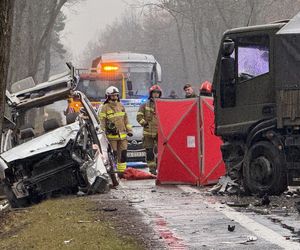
(136, 201)
(235, 204)
(251, 239)
(231, 228)
(4, 205)
(226, 185)
(107, 209)
(265, 201)
(67, 241)
(248, 240)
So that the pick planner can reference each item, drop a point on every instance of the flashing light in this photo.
(144, 99)
(109, 68)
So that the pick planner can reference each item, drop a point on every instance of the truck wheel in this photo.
(264, 170)
(13, 200)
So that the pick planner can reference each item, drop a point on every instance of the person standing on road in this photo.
(173, 94)
(146, 116)
(189, 92)
(114, 121)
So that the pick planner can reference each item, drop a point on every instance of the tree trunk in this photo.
(47, 66)
(182, 52)
(43, 41)
(6, 20)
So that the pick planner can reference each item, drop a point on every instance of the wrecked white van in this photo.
(48, 152)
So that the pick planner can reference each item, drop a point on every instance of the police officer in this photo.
(146, 116)
(114, 122)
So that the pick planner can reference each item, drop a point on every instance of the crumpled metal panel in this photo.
(55, 139)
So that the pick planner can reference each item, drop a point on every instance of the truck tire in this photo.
(264, 170)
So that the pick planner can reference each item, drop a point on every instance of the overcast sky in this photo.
(86, 19)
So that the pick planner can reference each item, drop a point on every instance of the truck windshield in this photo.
(141, 82)
(95, 89)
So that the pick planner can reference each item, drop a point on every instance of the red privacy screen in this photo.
(188, 151)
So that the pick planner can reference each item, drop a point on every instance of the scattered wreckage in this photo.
(47, 151)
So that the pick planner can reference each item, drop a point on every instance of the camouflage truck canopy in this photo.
(287, 73)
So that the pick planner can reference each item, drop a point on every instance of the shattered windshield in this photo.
(253, 57)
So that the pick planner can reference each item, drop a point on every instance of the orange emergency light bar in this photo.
(110, 68)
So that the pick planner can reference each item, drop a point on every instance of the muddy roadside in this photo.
(94, 222)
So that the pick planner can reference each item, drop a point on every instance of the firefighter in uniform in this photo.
(114, 122)
(146, 116)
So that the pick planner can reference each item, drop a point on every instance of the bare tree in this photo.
(184, 35)
(6, 21)
(34, 37)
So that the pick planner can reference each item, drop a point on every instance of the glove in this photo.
(146, 125)
(129, 134)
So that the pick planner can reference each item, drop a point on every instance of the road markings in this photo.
(248, 223)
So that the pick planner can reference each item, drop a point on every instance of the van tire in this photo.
(13, 200)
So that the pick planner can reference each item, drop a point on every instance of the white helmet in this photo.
(111, 90)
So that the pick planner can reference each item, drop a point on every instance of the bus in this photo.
(132, 73)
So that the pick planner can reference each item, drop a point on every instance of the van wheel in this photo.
(264, 170)
(13, 200)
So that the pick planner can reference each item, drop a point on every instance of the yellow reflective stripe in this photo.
(123, 136)
(149, 133)
(140, 113)
(121, 166)
(103, 115)
(120, 136)
(109, 136)
(117, 114)
(148, 108)
(129, 126)
(109, 111)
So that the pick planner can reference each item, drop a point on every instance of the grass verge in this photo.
(64, 223)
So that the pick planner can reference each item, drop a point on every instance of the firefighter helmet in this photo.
(206, 88)
(155, 88)
(112, 91)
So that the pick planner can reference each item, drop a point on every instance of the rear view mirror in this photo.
(228, 87)
(227, 70)
(129, 88)
(228, 47)
(227, 62)
(129, 85)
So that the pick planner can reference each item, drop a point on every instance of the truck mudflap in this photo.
(293, 174)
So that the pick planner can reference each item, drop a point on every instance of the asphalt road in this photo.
(186, 217)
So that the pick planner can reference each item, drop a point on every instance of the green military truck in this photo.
(257, 105)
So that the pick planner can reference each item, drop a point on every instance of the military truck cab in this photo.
(257, 105)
